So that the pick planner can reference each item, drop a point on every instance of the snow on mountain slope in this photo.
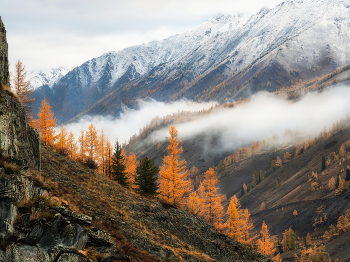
(145, 57)
(46, 77)
(295, 33)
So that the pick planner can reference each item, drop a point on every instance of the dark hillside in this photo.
(297, 189)
(144, 229)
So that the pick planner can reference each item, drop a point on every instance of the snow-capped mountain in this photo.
(48, 77)
(249, 53)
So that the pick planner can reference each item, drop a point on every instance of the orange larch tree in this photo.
(193, 203)
(214, 210)
(278, 162)
(71, 145)
(287, 156)
(234, 222)
(247, 228)
(22, 88)
(62, 141)
(342, 151)
(91, 141)
(82, 145)
(131, 165)
(265, 246)
(102, 153)
(173, 174)
(201, 199)
(46, 124)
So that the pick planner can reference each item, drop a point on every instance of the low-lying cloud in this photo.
(131, 120)
(262, 117)
(266, 115)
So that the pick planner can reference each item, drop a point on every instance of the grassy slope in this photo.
(137, 224)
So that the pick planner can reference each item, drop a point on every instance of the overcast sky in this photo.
(50, 33)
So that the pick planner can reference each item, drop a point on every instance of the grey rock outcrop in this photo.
(17, 138)
(4, 64)
(13, 189)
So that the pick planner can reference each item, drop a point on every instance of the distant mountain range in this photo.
(225, 58)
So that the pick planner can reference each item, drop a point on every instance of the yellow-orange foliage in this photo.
(22, 88)
(247, 228)
(91, 141)
(82, 145)
(71, 145)
(201, 198)
(172, 175)
(193, 203)
(214, 210)
(295, 212)
(131, 165)
(277, 258)
(278, 162)
(265, 246)
(62, 140)
(234, 222)
(342, 151)
(287, 156)
(331, 183)
(46, 123)
(340, 186)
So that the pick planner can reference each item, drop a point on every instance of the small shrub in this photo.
(47, 215)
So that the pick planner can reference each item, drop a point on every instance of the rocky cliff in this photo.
(4, 65)
(32, 227)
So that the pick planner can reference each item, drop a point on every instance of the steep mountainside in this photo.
(294, 187)
(48, 77)
(50, 204)
(225, 58)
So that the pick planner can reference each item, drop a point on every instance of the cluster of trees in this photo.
(343, 225)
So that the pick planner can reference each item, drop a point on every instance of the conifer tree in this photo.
(214, 210)
(193, 203)
(71, 145)
(82, 144)
(288, 242)
(341, 186)
(102, 153)
(22, 88)
(331, 183)
(118, 166)
(62, 143)
(265, 246)
(45, 124)
(261, 175)
(247, 228)
(234, 222)
(273, 165)
(342, 151)
(131, 165)
(201, 200)
(308, 240)
(253, 180)
(91, 141)
(287, 156)
(278, 162)
(146, 178)
(173, 174)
